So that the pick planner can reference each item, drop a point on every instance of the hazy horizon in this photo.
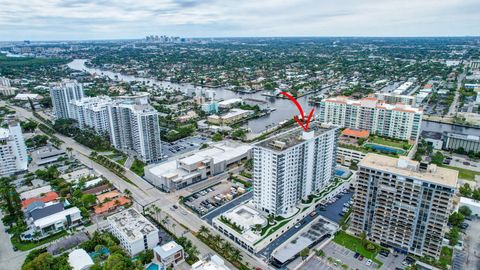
(55, 20)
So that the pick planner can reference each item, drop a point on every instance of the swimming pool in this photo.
(385, 149)
(154, 266)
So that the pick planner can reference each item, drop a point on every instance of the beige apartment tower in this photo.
(403, 204)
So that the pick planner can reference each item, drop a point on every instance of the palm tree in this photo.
(236, 255)
(194, 251)
(227, 247)
(204, 231)
(165, 220)
(217, 240)
(69, 151)
(127, 192)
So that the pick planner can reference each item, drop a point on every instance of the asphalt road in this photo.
(144, 194)
(9, 259)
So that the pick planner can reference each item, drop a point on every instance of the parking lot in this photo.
(183, 145)
(345, 256)
(209, 199)
(315, 263)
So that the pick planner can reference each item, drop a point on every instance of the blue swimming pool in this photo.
(154, 266)
(339, 172)
(385, 149)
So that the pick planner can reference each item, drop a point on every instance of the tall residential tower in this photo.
(62, 94)
(402, 203)
(13, 151)
(293, 165)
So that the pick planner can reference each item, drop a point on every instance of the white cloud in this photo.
(89, 19)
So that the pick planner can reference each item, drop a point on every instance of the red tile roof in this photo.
(356, 133)
(48, 197)
(107, 206)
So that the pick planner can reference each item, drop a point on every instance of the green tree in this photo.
(465, 211)
(217, 137)
(304, 253)
(455, 219)
(454, 235)
(466, 190)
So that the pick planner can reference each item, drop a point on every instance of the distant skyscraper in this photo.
(13, 151)
(62, 94)
(293, 165)
(403, 204)
(396, 121)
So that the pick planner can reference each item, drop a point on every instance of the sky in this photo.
(108, 19)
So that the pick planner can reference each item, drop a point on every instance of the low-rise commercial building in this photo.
(177, 174)
(231, 117)
(456, 141)
(134, 231)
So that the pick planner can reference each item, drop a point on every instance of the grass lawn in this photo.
(137, 167)
(355, 244)
(445, 257)
(463, 173)
(24, 246)
(388, 142)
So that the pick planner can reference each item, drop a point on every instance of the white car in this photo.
(369, 262)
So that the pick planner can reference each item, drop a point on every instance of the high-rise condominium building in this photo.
(13, 151)
(134, 127)
(92, 112)
(293, 165)
(398, 121)
(62, 94)
(402, 203)
(4, 82)
(130, 121)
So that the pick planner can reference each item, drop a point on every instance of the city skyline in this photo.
(80, 19)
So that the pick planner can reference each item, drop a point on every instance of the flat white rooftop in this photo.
(52, 219)
(434, 174)
(131, 224)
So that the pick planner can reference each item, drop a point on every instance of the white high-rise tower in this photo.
(293, 165)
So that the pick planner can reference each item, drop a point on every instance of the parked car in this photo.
(356, 255)
(360, 258)
(298, 225)
(384, 252)
(369, 262)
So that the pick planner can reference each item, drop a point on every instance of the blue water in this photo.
(339, 172)
(383, 148)
(153, 266)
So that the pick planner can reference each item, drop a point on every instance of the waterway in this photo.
(285, 109)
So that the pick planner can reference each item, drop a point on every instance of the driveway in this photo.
(9, 259)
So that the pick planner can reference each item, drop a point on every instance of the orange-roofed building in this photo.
(111, 205)
(48, 197)
(356, 133)
(109, 195)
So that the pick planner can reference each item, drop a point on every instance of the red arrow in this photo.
(304, 124)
